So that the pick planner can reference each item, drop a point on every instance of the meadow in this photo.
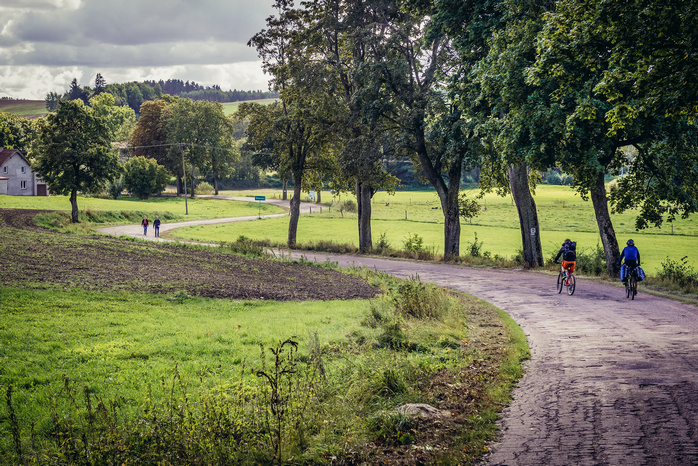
(231, 107)
(198, 207)
(26, 108)
(561, 213)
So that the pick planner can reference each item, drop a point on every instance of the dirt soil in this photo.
(38, 258)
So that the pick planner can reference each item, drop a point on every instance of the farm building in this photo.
(17, 177)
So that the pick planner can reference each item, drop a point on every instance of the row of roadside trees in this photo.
(510, 88)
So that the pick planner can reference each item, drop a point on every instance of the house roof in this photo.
(5, 154)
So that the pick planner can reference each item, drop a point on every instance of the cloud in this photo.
(42, 41)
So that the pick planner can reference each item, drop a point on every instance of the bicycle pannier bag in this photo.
(639, 274)
(623, 272)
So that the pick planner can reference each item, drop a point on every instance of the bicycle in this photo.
(631, 284)
(566, 281)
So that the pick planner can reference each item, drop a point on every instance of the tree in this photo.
(575, 56)
(120, 120)
(339, 34)
(149, 137)
(405, 69)
(72, 152)
(76, 92)
(295, 127)
(205, 136)
(52, 99)
(16, 132)
(144, 177)
(100, 85)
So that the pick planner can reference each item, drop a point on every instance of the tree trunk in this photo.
(603, 220)
(363, 200)
(74, 206)
(285, 195)
(452, 213)
(295, 206)
(192, 182)
(179, 185)
(215, 182)
(319, 195)
(447, 194)
(528, 216)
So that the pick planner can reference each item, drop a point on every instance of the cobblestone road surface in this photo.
(610, 381)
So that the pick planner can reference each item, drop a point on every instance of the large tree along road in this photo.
(610, 381)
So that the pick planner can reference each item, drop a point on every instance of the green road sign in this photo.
(260, 198)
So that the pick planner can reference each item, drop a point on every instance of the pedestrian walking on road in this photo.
(144, 223)
(156, 226)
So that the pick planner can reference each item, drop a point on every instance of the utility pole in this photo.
(184, 179)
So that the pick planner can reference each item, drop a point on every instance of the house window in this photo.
(23, 184)
(23, 169)
(4, 169)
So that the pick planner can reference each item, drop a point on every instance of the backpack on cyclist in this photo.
(571, 252)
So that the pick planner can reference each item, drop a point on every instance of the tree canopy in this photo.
(72, 152)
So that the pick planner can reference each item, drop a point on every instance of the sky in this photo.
(44, 44)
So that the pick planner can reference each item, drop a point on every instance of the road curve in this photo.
(136, 231)
(610, 381)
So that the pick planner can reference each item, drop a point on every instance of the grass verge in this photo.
(121, 377)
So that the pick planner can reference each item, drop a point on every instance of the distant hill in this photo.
(25, 108)
(37, 108)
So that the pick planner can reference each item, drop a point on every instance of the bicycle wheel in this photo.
(627, 287)
(633, 286)
(560, 282)
(570, 285)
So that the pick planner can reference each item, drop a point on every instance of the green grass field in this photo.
(230, 107)
(199, 208)
(562, 213)
(23, 107)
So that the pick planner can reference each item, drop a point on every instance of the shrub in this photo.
(592, 262)
(679, 273)
(248, 247)
(475, 248)
(414, 243)
(382, 244)
(144, 177)
(204, 188)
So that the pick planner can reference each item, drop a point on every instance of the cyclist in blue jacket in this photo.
(632, 257)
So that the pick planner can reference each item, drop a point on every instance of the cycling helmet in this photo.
(630, 242)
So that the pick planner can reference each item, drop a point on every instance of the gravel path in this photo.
(610, 381)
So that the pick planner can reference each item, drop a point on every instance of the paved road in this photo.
(610, 381)
(136, 231)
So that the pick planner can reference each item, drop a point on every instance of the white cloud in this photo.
(45, 43)
(35, 82)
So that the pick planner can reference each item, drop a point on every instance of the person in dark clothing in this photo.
(156, 226)
(144, 224)
(632, 257)
(569, 255)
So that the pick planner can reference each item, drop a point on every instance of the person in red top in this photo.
(144, 223)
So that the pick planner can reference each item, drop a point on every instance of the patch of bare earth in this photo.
(36, 257)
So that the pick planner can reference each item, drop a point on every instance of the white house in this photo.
(16, 176)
